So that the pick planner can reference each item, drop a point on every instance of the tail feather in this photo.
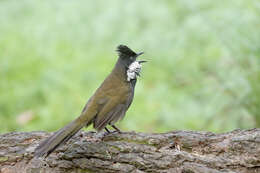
(58, 138)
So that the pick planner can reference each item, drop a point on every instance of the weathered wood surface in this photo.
(200, 152)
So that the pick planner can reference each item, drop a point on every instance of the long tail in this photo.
(58, 138)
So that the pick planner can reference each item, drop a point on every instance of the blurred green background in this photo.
(203, 71)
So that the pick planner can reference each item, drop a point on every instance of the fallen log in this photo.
(177, 151)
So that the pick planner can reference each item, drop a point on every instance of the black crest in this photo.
(125, 51)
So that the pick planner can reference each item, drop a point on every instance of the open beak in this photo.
(141, 61)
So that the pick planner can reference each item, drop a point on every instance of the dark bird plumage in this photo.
(108, 104)
(125, 52)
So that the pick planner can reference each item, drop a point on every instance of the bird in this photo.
(106, 106)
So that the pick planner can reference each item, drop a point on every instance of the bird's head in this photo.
(128, 59)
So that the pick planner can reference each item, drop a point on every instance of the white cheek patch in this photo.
(133, 70)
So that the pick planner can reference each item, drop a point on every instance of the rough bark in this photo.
(177, 151)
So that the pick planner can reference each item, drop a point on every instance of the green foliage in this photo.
(203, 70)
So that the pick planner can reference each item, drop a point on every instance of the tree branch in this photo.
(177, 151)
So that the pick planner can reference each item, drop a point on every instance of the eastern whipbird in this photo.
(108, 104)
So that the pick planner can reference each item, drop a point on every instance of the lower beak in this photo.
(142, 61)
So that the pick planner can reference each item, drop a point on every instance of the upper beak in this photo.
(139, 54)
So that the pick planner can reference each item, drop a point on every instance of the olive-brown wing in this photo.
(113, 108)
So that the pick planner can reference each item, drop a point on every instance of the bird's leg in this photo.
(107, 130)
(117, 129)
